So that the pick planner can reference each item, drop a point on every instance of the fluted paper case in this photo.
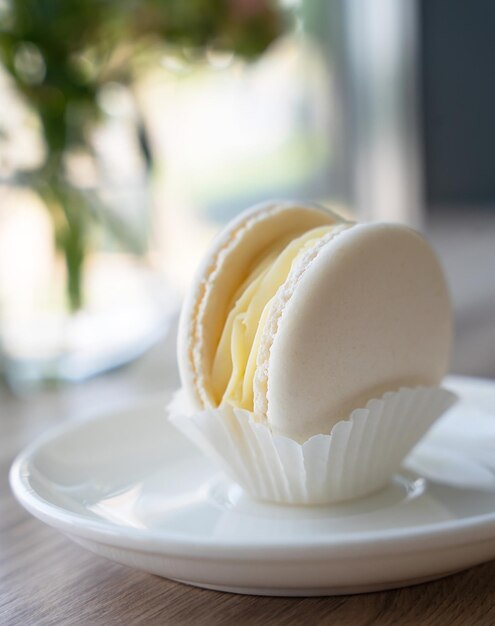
(359, 456)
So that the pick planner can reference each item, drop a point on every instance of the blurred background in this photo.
(130, 132)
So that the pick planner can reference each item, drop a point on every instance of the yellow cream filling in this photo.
(234, 364)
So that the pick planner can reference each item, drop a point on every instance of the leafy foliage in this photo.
(60, 53)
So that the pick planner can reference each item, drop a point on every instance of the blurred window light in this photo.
(229, 135)
(21, 146)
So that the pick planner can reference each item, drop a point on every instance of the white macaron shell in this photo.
(225, 266)
(370, 314)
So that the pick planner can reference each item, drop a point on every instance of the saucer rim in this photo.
(437, 536)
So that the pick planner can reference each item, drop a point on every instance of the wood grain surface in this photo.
(47, 580)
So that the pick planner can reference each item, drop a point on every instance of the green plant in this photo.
(60, 53)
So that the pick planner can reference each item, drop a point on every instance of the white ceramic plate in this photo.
(129, 487)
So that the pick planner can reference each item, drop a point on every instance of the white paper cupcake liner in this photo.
(358, 457)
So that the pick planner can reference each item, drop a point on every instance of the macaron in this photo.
(300, 316)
